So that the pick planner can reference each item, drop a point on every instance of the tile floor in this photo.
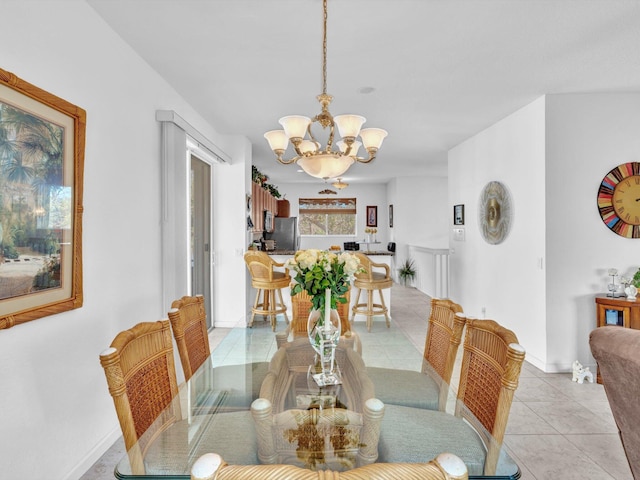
(557, 428)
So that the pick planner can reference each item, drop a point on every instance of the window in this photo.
(327, 216)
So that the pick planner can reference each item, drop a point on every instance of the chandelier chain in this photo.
(324, 49)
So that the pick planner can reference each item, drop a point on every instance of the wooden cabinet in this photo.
(261, 201)
(617, 312)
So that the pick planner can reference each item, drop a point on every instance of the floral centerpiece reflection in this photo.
(325, 276)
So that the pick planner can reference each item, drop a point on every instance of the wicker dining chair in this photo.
(188, 323)
(189, 326)
(491, 365)
(268, 282)
(301, 307)
(445, 466)
(141, 376)
(429, 387)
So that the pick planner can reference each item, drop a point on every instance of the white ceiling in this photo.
(441, 70)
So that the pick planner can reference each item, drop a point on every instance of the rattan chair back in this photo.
(375, 275)
(443, 337)
(268, 283)
(263, 276)
(141, 376)
(489, 374)
(301, 307)
(189, 325)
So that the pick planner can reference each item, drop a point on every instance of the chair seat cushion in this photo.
(280, 280)
(404, 387)
(231, 435)
(379, 281)
(439, 432)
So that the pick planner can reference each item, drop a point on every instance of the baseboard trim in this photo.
(94, 455)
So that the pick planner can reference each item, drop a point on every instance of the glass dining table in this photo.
(248, 382)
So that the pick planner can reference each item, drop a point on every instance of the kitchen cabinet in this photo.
(261, 200)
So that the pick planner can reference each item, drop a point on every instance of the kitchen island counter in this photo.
(371, 252)
(381, 256)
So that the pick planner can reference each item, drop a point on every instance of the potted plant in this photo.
(407, 271)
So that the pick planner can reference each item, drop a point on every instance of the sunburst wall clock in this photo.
(619, 200)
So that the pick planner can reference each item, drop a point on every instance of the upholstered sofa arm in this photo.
(617, 351)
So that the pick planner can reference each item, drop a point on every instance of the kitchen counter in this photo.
(371, 252)
(382, 256)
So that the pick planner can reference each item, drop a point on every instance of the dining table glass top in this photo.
(222, 409)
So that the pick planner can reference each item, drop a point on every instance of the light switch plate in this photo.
(458, 234)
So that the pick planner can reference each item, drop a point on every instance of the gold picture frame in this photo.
(42, 141)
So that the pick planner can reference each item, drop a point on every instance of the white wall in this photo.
(421, 215)
(505, 279)
(56, 415)
(366, 195)
(552, 154)
(587, 136)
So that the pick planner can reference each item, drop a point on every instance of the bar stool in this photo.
(371, 281)
(267, 281)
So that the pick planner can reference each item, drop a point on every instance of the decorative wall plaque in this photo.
(494, 213)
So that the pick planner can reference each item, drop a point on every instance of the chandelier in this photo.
(315, 160)
(339, 184)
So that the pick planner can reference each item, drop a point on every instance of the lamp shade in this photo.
(372, 137)
(295, 126)
(349, 125)
(308, 147)
(325, 166)
(277, 139)
(355, 146)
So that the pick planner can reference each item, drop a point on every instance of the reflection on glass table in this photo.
(296, 422)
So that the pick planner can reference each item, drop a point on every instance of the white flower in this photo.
(613, 272)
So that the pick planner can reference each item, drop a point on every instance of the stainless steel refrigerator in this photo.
(285, 233)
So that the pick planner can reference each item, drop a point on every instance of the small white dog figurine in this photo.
(580, 373)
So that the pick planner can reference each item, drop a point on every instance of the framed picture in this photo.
(42, 150)
(390, 216)
(458, 214)
(372, 216)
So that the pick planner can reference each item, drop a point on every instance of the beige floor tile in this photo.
(606, 451)
(549, 457)
(571, 418)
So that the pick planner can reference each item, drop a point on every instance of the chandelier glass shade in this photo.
(339, 184)
(325, 161)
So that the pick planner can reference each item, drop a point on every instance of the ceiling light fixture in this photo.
(339, 184)
(325, 162)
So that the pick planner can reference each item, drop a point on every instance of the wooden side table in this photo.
(617, 312)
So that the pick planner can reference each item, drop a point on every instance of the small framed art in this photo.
(372, 216)
(458, 214)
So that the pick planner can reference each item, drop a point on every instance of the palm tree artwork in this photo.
(35, 205)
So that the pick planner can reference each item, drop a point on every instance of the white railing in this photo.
(432, 270)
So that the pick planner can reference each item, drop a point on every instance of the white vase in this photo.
(632, 292)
